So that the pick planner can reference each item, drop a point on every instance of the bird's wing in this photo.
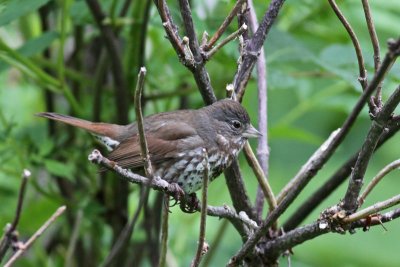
(164, 143)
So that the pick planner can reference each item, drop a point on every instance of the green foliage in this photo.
(312, 81)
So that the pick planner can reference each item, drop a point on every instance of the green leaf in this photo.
(33, 46)
(11, 10)
(59, 169)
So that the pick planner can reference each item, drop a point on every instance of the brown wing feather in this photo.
(163, 143)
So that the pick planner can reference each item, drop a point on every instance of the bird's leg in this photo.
(178, 194)
(190, 204)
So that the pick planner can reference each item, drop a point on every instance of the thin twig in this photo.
(378, 126)
(23, 247)
(198, 69)
(223, 26)
(230, 37)
(236, 187)
(129, 227)
(377, 207)
(170, 27)
(6, 240)
(202, 247)
(262, 90)
(379, 219)
(215, 243)
(139, 119)
(363, 79)
(164, 232)
(74, 239)
(375, 45)
(332, 183)
(259, 173)
(387, 169)
(253, 47)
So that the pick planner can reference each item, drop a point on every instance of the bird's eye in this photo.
(236, 124)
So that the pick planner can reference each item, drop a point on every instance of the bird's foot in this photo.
(177, 194)
(190, 204)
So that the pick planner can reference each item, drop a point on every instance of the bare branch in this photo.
(74, 239)
(202, 247)
(224, 25)
(262, 148)
(139, 119)
(332, 184)
(170, 28)
(387, 169)
(237, 190)
(254, 45)
(378, 219)
(259, 173)
(199, 72)
(7, 238)
(377, 128)
(240, 31)
(23, 247)
(375, 45)
(377, 207)
(164, 232)
(361, 66)
(215, 243)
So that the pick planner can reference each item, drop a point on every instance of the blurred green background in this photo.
(312, 86)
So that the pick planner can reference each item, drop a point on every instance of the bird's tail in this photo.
(98, 128)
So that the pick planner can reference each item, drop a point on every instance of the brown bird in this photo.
(176, 141)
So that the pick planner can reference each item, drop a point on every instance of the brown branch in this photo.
(139, 119)
(363, 79)
(170, 28)
(199, 72)
(378, 219)
(232, 36)
(10, 233)
(387, 169)
(23, 247)
(377, 207)
(262, 148)
(259, 173)
(164, 233)
(237, 190)
(253, 47)
(350, 202)
(216, 243)
(224, 25)
(202, 246)
(333, 183)
(375, 45)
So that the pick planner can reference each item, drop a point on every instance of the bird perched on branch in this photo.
(176, 141)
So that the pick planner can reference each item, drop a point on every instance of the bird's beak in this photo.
(251, 132)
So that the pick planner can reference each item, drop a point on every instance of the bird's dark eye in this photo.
(236, 124)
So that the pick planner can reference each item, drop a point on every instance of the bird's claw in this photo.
(190, 204)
